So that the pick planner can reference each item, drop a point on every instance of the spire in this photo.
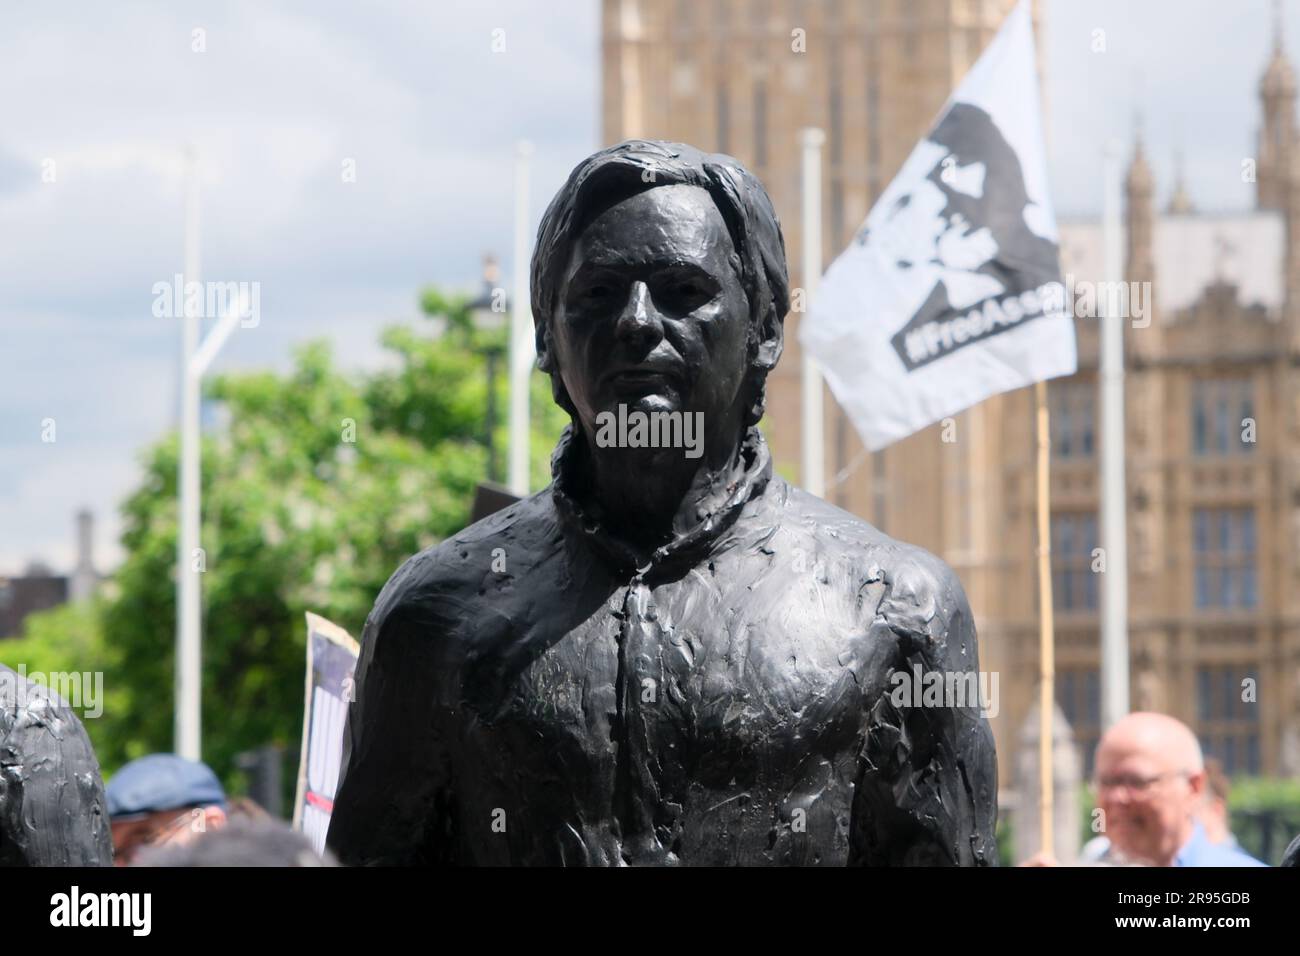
(1139, 211)
(1278, 81)
(1180, 203)
(1139, 177)
(1139, 240)
(1277, 133)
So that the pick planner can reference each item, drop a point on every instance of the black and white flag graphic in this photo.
(951, 292)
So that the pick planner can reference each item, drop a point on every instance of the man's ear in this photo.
(1196, 781)
(201, 820)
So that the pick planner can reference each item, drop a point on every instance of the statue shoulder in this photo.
(923, 598)
(432, 590)
(915, 591)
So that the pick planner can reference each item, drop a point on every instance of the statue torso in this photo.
(709, 710)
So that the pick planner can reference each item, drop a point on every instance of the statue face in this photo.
(652, 313)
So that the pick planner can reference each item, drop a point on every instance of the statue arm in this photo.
(393, 805)
(926, 791)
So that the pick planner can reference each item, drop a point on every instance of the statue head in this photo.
(659, 281)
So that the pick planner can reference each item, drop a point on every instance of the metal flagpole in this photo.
(1114, 589)
(629, 22)
(1046, 625)
(813, 468)
(187, 727)
(522, 344)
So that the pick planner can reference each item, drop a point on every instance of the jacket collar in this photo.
(582, 516)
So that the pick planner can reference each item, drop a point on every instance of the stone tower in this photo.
(1277, 135)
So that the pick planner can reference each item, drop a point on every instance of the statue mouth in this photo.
(646, 375)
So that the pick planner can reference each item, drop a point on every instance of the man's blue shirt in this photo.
(1199, 851)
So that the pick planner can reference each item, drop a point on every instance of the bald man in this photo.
(1150, 781)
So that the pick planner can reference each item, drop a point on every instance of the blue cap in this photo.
(162, 782)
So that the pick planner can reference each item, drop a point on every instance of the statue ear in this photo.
(542, 340)
(771, 339)
(546, 362)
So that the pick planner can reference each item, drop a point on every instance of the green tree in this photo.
(321, 484)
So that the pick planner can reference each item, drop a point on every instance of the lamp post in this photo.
(187, 730)
(488, 314)
(196, 355)
(523, 352)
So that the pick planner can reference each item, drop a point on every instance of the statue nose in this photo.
(640, 323)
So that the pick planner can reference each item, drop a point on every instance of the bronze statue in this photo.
(52, 810)
(669, 655)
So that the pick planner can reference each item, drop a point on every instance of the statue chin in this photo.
(647, 402)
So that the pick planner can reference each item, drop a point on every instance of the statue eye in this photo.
(597, 295)
(685, 293)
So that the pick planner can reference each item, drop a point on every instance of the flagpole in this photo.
(813, 470)
(1046, 624)
(1114, 582)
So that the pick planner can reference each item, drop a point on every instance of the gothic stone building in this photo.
(1214, 520)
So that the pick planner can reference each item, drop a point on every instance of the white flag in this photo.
(951, 292)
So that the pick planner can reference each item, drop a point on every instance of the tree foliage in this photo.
(319, 485)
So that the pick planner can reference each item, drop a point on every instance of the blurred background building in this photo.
(1213, 446)
(1214, 520)
(39, 588)
(36, 589)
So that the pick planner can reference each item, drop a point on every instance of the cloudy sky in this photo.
(283, 94)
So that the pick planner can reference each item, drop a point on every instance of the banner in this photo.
(951, 291)
(331, 659)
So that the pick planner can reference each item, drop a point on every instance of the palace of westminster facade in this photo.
(1212, 388)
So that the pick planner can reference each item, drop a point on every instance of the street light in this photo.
(488, 314)
(196, 355)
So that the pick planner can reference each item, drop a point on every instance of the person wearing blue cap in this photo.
(162, 799)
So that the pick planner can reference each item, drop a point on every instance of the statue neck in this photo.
(640, 509)
(652, 496)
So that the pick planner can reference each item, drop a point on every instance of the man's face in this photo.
(1148, 800)
(162, 828)
(652, 313)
